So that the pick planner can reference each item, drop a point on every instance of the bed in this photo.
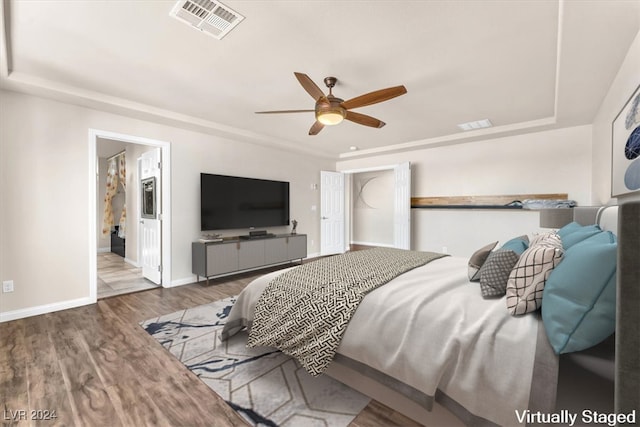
(429, 345)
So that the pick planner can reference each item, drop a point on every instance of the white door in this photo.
(150, 215)
(402, 207)
(331, 213)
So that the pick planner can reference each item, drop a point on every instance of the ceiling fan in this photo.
(331, 110)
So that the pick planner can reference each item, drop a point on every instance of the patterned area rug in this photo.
(263, 385)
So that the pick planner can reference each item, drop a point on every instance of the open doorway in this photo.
(116, 263)
(372, 208)
(378, 202)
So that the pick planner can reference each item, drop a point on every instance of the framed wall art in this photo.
(625, 155)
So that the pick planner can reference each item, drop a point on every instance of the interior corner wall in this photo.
(553, 161)
(45, 185)
(624, 85)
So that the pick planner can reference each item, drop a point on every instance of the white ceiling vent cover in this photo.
(208, 16)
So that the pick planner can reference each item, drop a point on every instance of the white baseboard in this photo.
(182, 282)
(43, 309)
(132, 262)
(104, 250)
(64, 305)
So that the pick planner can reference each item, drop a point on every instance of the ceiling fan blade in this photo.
(363, 119)
(316, 128)
(308, 85)
(285, 111)
(374, 97)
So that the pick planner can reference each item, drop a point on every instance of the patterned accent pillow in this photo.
(495, 272)
(550, 238)
(527, 279)
(477, 259)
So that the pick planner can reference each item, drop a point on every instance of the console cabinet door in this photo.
(275, 250)
(297, 247)
(222, 258)
(251, 254)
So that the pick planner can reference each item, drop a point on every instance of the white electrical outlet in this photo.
(444, 250)
(7, 286)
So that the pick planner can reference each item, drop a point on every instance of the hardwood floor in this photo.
(94, 366)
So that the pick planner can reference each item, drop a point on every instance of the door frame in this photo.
(165, 146)
(349, 173)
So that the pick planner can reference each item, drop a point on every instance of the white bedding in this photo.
(431, 329)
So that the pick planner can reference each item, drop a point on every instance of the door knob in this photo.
(324, 217)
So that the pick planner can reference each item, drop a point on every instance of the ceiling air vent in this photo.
(210, 17)
(478, 124)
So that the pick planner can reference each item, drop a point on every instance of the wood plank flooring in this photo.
(94, 366)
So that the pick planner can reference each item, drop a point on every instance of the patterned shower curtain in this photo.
(115, 172)
(122, 174)
(112, 187)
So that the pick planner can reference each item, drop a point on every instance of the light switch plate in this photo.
(7, 286)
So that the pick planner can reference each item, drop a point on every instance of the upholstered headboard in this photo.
(627, 375)
(605, 216)
(624, 221)
(585, 215)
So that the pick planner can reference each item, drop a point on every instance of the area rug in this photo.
(263, 385)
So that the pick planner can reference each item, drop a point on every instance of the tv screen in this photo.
(228, 202)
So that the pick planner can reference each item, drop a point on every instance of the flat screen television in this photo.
(230, 202)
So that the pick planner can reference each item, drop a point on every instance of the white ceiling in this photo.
(525, 65)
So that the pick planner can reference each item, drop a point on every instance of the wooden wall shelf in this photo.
(480, 202)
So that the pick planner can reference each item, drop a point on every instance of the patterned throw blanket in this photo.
(305, 311)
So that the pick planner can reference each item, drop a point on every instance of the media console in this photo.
(210, 259)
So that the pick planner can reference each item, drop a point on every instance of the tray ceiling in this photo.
(524, 65)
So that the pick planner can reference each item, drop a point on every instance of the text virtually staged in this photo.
(568, 418)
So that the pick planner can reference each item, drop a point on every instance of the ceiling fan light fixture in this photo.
(330, 118)
(330, 112)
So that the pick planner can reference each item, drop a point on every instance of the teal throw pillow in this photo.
(517, 244)
(569, 228)
(579, 298)
(579, 235)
